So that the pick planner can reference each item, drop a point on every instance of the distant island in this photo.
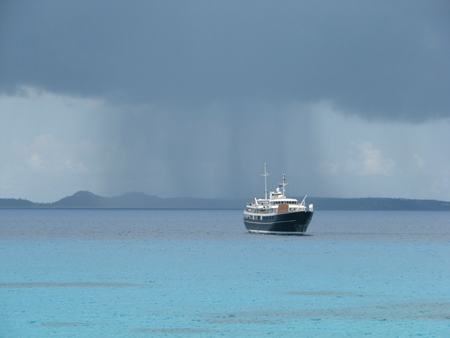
(137, 200)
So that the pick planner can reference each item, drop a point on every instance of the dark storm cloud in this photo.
(377, 59)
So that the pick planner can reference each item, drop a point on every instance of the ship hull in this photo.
(290, 223)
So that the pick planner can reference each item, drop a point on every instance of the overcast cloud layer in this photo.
(190, 98)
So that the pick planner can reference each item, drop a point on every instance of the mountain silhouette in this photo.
(139, 200)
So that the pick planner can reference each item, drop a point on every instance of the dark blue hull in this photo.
(295, 223)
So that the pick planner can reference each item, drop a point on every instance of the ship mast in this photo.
(265, 181)
(284, 184)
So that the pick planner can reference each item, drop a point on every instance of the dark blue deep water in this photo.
(186, 273)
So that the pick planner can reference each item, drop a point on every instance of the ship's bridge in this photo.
(277, 197)
(283, 201)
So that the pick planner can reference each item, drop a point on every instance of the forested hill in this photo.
(134, 200)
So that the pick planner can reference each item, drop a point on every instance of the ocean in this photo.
(198, 273)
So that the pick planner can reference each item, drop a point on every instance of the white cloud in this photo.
(46, 154)
(330, 168)
(420, 162)
(369, 161)
(33, 112)
(48, 168)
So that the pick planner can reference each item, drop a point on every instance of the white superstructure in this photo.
(276, 203)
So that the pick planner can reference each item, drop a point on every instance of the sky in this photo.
(191, 98)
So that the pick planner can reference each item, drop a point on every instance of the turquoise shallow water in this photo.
(178, 273)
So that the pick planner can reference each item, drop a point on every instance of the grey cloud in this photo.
(377, 59)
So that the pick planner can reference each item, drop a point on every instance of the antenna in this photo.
(265, 181)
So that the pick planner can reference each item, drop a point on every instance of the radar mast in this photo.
(265, 181)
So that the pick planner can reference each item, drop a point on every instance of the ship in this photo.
(277, 214)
